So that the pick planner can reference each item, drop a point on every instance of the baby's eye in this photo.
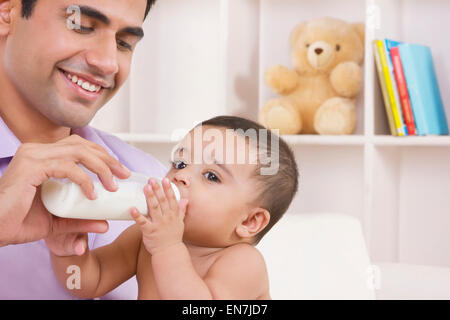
(178, 164)
(211, 176)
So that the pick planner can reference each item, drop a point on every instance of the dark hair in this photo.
(275, 192)
(28, 5)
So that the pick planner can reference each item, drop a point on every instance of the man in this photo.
(55, 74)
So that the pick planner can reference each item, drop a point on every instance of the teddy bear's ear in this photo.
(360, 30)
(296, 33)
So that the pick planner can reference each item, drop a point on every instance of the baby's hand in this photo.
(164, 226)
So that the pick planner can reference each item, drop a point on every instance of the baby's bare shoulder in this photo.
(243, 252)
(243, 259)
(238, 273)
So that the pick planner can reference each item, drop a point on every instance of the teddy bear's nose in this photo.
(318, 50)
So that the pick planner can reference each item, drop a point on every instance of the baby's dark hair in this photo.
(275, 191)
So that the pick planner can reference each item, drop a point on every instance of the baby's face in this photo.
(219, 188)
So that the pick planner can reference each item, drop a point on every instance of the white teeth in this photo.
(83, 84)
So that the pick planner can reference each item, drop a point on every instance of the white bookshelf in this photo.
(399, 187)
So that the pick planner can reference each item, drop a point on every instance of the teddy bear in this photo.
(318, 94)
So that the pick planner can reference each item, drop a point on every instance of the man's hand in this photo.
(67, 244)
(23, 218)
(164, 226)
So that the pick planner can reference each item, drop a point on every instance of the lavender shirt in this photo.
(25, 270)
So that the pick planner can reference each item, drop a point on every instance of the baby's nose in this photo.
(181, 180)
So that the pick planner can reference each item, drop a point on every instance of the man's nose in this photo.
(103, 56)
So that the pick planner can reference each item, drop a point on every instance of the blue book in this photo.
(423, 89)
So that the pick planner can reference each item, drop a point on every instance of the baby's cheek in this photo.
(170, 173)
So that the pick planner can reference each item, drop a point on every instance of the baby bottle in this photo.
(65, 199)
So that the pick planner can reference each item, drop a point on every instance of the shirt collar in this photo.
(9, 142)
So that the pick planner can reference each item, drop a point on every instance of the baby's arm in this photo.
(102, 269)
(238, 274)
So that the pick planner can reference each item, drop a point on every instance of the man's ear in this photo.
(254, 222)
(5, 17)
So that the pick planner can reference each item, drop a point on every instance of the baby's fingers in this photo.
(161, 196)
(182, 207)
(170, 194)
(153, 207)
(139, 218)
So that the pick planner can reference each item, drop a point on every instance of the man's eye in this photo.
(83, 30)
(123, 44)
(178, 165)
(211, 177)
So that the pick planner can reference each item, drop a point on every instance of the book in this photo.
(384, 92)
(399, 126)
(403, 91)
(423, 89)
(388, 44)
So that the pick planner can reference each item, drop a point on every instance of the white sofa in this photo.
(324, 256)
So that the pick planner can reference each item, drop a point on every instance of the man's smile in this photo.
(89, 90)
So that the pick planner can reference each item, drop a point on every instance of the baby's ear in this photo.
(254, 222)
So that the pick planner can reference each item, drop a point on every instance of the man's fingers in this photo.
(94, 163)
(75, 244)
(93, 157)
(114, 165)
(67, 244)
(79, 246)
(62, 226)
(66, 169)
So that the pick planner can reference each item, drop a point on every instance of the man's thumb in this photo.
(79, 246)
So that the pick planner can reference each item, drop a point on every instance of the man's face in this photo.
(45, 58)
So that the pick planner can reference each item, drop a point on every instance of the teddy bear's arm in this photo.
(281, 79)
(346, 79)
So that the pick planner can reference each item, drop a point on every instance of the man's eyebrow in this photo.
(134, 31)
(96, 14)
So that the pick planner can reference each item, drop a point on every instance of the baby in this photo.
(203, 246)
